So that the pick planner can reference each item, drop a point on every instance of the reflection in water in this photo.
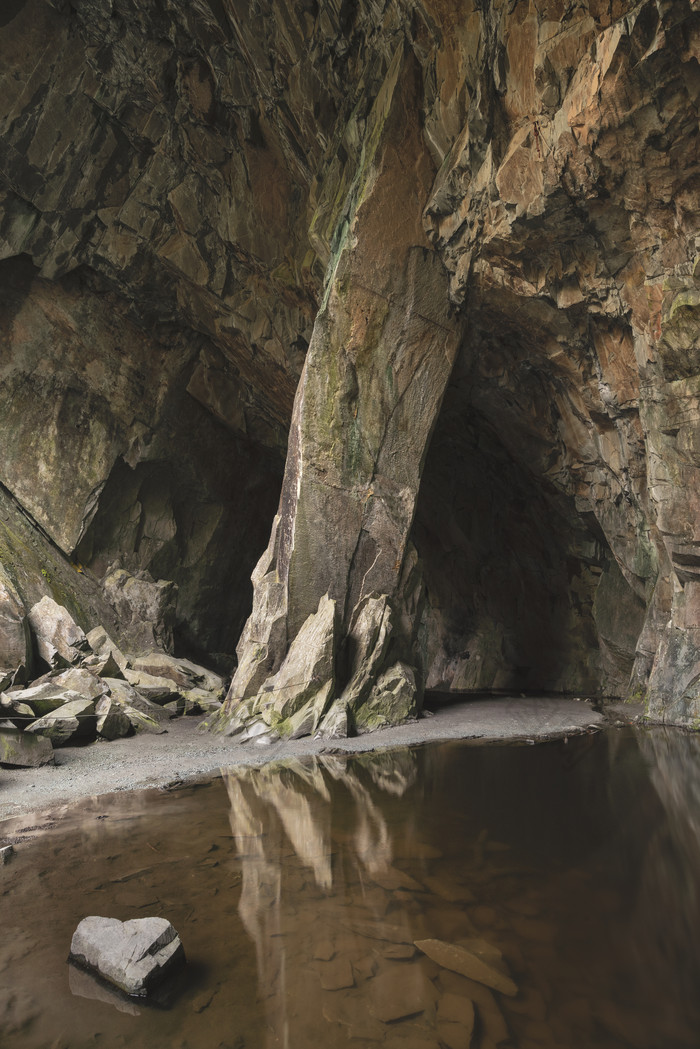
(290, 804)
(550, 862)
(667, 892)
(299, 891)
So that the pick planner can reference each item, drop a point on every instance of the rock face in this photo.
(466, 236)
(15, 644)
(134, 955)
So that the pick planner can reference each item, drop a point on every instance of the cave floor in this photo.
(183, 754)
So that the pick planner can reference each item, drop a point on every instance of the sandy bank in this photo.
(183, 753)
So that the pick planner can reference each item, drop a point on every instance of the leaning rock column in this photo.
(382, 350)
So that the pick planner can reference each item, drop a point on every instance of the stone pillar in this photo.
(339, 573)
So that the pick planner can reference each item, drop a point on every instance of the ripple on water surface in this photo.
(387, 899)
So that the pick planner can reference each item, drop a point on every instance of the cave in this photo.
(524, 590)
(391, 309)
(349, 404)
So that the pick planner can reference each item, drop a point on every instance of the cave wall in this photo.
(167, 198)
(571, 240)
(442, 258)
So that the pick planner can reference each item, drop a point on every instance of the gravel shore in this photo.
(182, 753)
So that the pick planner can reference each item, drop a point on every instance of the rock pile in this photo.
(93, 690)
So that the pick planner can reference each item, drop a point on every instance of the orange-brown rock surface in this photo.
(463, 236)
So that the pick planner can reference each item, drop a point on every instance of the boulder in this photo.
(77, 679)
(24, 750)
(43, 698)
(393, 700)
(146, 607)
(294, 700)
(74, 720)
(103, 647)
(127, 695)
(175, 707)
(200, 701)
(112, 719)
(60, 642)
(19, 714)
(103, 666)
(15, 639)
(84, 985)
(182, 672)
(133, 955)
(141, 722)
(160, 690)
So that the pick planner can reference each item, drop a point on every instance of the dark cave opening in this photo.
(523, 591)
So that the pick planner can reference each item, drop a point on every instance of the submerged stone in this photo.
(482, 966)
(398, 992)
(336, 975)
(133, 955)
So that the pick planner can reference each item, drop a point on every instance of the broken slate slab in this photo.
(112, 719)
(133, 955)
(74, 719)
(43, 698)
(11, 707)
(336, 975)
(127, 695)
(159, 690)
(182, 672)
(104, 648)
(477, 963)
(397, 993)
(83, 682)
(23, 750)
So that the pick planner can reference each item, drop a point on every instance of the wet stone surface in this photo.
(441, 896)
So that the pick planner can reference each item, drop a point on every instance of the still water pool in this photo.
(299, 891)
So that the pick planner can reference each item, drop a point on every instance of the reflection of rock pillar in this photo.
(381, 354)
(278, 806)
(259, 904)
(662, 889)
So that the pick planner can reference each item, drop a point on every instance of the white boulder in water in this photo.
(133, 955)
